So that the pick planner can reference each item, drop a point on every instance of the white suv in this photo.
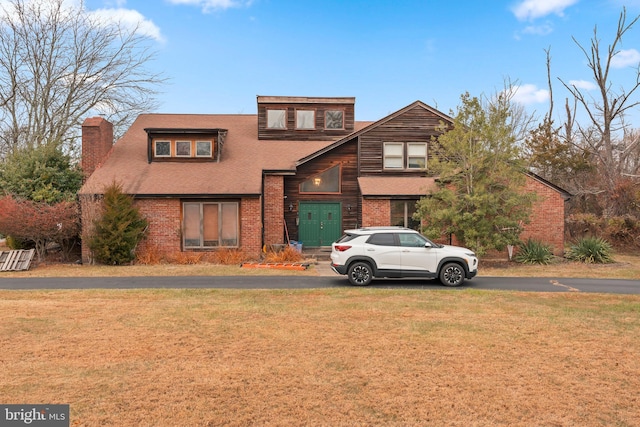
(370, 252)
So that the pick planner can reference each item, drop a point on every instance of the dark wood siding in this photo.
(344, 155)
(415, 125)
(293, 134)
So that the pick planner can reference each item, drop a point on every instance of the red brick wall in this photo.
(90, 209)
(251, 226)
(164, 233)
(273, 209)
(165, 225)
(547, 217)
(97, 140)
(376, 212)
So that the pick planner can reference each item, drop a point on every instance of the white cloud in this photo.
(130, 19)
(529, 94)
(532, 9)
(582, 84)
(127, 17)
(626, 58)
(539, 30)
(211, 5)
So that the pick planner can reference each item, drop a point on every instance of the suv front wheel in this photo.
(452, 274)
(360, 273)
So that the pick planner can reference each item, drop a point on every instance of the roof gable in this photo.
(375, 125)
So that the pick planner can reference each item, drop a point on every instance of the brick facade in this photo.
(251, 226)
(273, 209)
(547, 216)
(376, 212)
(165, 229)
(90, 209)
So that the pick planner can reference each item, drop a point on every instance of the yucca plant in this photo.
(591, 250)
(534, 252)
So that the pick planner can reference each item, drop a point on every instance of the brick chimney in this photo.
(97, 140)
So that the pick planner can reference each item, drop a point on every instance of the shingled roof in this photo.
(238, 173)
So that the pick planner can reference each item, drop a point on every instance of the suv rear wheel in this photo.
(452, 274)
(360, 273)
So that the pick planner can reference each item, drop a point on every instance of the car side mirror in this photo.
(428, 245)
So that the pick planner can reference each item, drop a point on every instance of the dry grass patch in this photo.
(323, 357)
(625, 267)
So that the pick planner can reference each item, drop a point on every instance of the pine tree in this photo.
(119, 229)
(480, 198)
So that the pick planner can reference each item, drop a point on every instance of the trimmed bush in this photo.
(534, 252)
(591, 250)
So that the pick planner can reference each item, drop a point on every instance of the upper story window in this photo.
(276, 119)
(162, 148)
(393, 155)
(327, 181)
(334, 119)
(203, 148)
(305, 119)
(401, 156)
(416, 155)
(182, 149)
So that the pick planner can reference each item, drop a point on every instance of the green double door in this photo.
(319, 224)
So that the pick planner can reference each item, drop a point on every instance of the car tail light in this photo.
(342, 248)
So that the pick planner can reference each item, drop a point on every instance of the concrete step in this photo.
(321, 253)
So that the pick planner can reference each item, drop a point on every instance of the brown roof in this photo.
(239, 172)
(395, 186)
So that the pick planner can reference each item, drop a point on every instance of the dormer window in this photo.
(162, 148)
(305, 119)
(334, 119)
(276, 119)
(183, 148)
(203, 148)
(185, 145)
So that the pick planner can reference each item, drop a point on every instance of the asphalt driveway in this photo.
(527, 284)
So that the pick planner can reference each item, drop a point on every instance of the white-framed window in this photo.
(393, 155)
(162, 148)
(305, 119)
(203, 149)
(334, 119)
(401, 155)
(276, 119)
(183, 148)
(416, 155)
(210, 225)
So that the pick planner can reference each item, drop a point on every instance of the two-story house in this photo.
(300, 169)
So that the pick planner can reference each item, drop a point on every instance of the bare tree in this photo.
(604, 135)
(59, 64)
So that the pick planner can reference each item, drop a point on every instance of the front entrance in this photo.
(319, 224)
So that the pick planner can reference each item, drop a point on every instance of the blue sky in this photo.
(220, 54)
